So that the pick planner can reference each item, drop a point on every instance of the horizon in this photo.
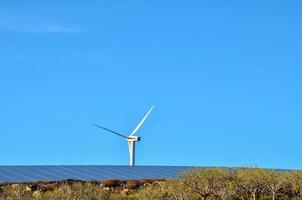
(225, 79)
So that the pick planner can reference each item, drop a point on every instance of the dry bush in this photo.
(145, 182)
(178, 190)
(295, 180)
(210, 183)
(153, 192)
(94, 182)
(277, 183)
(63, 192)
(112, 183)
(78, 191)
(251, 182)
(132, 184)
(201, 184)
(88, 191)
(15, 192)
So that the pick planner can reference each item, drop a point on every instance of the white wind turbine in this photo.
(132, 138)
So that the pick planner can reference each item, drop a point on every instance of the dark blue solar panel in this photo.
(86, 172)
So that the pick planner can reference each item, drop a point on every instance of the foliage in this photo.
(132, 184)
(112, 183)
(199, 184)
(295, 180)
(15, 192)
(251, 181)
(210, 182)
(276, 183)
(79, 191)
(154, 192)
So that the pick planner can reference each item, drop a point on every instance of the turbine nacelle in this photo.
(133, 138)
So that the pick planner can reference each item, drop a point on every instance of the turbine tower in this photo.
(132, 138)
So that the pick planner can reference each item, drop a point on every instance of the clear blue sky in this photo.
(225, 77)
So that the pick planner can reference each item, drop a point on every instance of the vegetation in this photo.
(199, 184)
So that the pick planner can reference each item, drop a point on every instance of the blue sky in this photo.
(225, 78)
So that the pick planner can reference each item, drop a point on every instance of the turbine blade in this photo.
(111, 131)
(142, 121)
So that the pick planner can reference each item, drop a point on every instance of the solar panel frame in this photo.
(32, 173)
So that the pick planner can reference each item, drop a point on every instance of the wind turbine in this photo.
(132, 138)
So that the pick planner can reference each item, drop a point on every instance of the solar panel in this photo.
(9, 174)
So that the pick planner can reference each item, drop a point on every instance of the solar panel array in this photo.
(13, 174)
